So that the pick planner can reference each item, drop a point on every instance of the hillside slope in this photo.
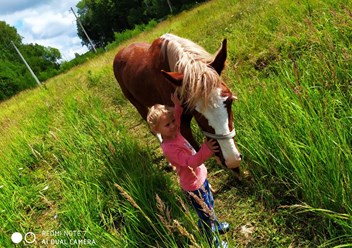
(74, 155)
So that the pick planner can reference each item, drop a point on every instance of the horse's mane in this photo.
(188, 58)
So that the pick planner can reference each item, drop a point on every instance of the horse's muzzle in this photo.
(229, 163)
(233, 162)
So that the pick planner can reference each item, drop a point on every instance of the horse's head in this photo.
(216, 122)
(212, 109)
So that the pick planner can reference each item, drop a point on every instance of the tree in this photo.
(102, 18)
(8, 86)
(14, 75)
(44, 61)
(8, 34)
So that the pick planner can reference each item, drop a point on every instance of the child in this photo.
(189, 165)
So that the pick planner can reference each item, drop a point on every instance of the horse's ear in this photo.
(174, 77)
(219, 62)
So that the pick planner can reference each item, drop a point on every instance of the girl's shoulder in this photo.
(177, 141)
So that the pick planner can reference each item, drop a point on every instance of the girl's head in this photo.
(161, 120)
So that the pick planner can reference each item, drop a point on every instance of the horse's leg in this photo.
(142, 109)
(186, 130)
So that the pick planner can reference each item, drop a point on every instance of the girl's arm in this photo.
(178, 156)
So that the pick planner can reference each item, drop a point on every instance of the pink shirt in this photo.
(189, 163)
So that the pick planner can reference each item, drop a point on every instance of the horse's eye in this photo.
(229, 100)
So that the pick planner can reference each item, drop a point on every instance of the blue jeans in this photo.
(203, 202)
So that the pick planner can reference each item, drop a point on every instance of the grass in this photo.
(75, 156)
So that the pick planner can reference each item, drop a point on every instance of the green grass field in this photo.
(78, 166)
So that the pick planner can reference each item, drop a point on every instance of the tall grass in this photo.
(62, 185)
(297, 105)
(73, 156)
(290, 64)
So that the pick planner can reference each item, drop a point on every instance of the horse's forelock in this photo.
(188, 58)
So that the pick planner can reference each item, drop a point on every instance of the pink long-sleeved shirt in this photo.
(189, 163)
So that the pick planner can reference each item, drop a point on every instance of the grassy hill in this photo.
(79, 167)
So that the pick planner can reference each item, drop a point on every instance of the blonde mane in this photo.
(188, 58)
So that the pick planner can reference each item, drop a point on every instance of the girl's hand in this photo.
(175, 99)
(212, 145)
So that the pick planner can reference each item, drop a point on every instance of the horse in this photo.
(150, 73)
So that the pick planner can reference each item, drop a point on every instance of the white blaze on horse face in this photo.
(218, 118)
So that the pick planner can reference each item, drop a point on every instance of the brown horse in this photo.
(150, 73)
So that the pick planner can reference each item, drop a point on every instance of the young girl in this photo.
(189, 165)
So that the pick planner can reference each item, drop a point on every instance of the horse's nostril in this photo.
(241, 156)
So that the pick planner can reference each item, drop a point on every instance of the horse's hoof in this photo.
(237, 173)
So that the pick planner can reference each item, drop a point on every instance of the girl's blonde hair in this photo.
(155, 112)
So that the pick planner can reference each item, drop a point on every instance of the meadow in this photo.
(78, 166)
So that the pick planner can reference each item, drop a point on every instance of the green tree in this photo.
(8, 86)
(8, 34)
(102, 18)
(14, 75)
(41, 59)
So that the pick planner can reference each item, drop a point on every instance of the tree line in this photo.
(102, 19)
(14, 75)
(106, 21)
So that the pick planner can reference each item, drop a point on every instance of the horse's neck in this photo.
(172, 60)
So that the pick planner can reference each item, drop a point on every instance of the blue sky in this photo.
(49, 23)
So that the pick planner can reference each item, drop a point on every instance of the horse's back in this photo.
(129, 57)
(137, 69)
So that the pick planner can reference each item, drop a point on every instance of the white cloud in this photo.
(9, 6)
(48, 23)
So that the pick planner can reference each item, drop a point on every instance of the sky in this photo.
(49, 23)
